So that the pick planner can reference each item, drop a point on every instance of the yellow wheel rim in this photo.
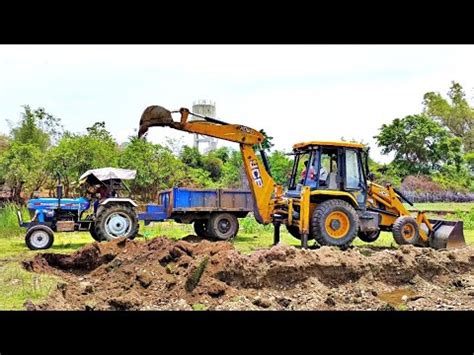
(337, 224)
(408, 232)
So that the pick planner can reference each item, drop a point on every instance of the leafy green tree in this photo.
(37, 127)
(280, 166)
(157, 167)
(191, 157)
(456, 115)
(4, 143)
(267, 143)
(213, 165)
(232, 171)
(77, 153)
(22, 169)
(420, 145)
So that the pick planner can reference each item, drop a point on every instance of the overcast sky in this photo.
(296, 93)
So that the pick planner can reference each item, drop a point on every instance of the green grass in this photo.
(442, 206)
(17, 285)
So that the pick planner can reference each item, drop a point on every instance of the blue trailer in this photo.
(213, 212)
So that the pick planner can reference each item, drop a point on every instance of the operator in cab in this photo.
(311, 181)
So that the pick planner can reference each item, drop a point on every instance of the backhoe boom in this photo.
(261, 183)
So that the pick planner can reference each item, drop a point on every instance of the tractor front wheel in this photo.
(115, 221)
(39, 237)
(406, 231)
(335, 223)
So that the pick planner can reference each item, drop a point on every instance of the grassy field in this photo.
(18, 285)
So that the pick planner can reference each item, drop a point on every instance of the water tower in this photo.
(205, 108)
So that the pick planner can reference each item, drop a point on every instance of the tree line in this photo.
(433, 151)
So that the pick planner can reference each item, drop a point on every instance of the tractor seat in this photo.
(331, 182)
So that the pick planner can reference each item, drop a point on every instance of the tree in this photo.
(4, 143)
(22, 169)
(76, 153)
(280, 166)
(420, 144)
(232, 171)
(456, 115)
(37, 127)
(157, 167)
(191, 157)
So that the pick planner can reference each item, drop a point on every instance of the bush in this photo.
(422, 188)
(250, 225)
(9, 221)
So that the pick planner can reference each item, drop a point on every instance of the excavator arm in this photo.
(262, 185)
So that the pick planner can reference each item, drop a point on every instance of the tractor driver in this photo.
(311, 176)
(103, 193)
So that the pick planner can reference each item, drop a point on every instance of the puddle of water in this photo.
(394, 298)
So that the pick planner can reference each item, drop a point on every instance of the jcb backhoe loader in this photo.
(330, 195)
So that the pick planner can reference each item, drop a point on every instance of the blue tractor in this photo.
(103, 213)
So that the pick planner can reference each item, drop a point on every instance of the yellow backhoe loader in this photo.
(330, 195)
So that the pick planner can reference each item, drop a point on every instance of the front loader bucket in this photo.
(447, 234)
(154, 116)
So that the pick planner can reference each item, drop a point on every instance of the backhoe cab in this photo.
(327, 193)
(330, 196)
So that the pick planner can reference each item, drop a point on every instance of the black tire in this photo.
(126, 222)
(295, 232)
(94, 234)
(200, 228)
(405, 230)
(39, 237)
(369, 237)
(223, 226)
(343, 220)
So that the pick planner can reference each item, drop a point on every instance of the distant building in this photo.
(205, 108)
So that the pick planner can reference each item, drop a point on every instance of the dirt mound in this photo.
(193, 274)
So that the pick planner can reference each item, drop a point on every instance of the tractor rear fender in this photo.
(331, 194)
(118, 200)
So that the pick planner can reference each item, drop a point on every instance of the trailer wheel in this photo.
(406, 231)
(115, 221)
(223, 226)
(369, 237)
(39, 237)
(200, 227)
(295, 232)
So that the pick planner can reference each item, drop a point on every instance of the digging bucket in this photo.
(447, 234)
(154, 116)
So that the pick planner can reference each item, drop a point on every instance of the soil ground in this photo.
(164, 274)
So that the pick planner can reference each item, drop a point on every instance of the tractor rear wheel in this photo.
(406, 231)
(39, 237)
(94, 234)
(200, 228)
(335, 222)
(115, 221)
(223, 226)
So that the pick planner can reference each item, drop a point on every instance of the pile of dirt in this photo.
(162, 274)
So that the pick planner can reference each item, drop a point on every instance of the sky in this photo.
(294, 92)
